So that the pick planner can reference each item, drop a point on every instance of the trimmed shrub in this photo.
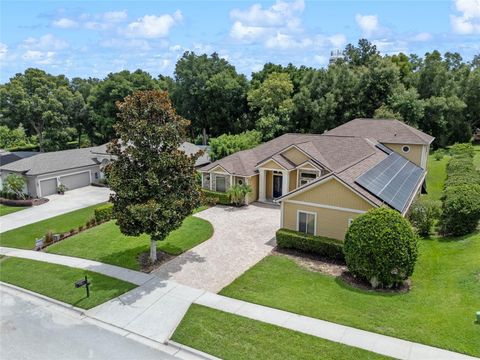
(439, 154)
(462, 150)
(104, 213)
(423, 214)
(216, 197)
(330, 248)
(381, 247)
(461, 209)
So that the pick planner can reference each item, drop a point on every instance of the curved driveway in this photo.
(242, 237)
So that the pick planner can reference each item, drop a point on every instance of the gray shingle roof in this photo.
(383, 130)
(48, 162)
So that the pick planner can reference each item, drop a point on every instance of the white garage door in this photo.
(48, 187)
(76, 181)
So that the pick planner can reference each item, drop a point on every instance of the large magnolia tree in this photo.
(153, 181)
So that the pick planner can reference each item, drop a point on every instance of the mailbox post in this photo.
(81, 283)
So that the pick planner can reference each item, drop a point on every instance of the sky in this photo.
(94, 38)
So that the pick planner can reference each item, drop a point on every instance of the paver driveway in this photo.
(57, 205)
(242, 237)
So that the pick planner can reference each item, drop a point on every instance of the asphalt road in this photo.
(35, 330)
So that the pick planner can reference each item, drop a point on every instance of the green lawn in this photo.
(5, 209)
(436, 175)
(57, 282)
(439, 310)
(230, 336)
(24, 237)
(107, 244)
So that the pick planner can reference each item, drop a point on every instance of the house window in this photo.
(306, 222)
(306, 177)
(220, 184)
(406, 148)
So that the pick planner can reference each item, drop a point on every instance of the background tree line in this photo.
(437, 94)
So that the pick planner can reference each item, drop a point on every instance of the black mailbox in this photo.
(84, 282)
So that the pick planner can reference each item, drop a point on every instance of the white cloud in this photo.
(338, 40)
(137, 44)
(285, 41)
(469, 20)
(151, 26)
(257, 23)
(175, 48)
(115, 16)
(321, 59)
(424, 36)
(65, 23)
(39, 57)
(368, 24)
(3, 51)
(45, 42)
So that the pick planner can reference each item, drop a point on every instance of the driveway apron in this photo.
(242, 237)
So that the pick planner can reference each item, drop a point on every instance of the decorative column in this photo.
(261, 186)
(285, 182)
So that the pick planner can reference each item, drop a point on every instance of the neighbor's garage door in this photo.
(76, 180)
(48, 187)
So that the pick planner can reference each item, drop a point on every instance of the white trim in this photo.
(423, 160)
(420, 183)
(271, 159)
(212, 170)
(307, 171)
(322, 206)
(262, 186)
(282, 206)
(299, 166)
(314, 222)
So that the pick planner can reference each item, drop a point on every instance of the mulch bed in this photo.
(26, 202)
(334, 268)
(146, 266)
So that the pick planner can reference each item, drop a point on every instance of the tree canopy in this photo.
(437, 93)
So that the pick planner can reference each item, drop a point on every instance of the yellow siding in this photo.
(269, 184)
(308, 167)
(253, 182)
(295, 156)
(414, 155)
(292, 182)
(272, 165)
(333, 193)
(330, 223)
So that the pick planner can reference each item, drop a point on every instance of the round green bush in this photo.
(423, 214)
(381, 247)
(461, 209)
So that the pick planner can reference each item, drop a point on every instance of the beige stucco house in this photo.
(322, 182)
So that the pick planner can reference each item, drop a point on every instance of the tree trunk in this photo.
(153, 251)
(204, 136)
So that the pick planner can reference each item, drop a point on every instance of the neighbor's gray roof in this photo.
(192, 149)
(54, 161)
(383, 130)
(7, 157)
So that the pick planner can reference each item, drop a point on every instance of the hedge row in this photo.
(461, 196)
(104, 213)
(330, 248)
(216, 197)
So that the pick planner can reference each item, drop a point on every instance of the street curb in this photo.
(75, 309)
(191, 351)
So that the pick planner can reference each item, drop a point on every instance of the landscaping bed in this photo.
(57, 282)
(439, 310)
(231, 336)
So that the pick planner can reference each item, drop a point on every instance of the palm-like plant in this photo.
(238, 192)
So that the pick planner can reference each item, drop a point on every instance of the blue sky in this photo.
(93, 38)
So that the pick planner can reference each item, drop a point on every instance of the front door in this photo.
(277, 186)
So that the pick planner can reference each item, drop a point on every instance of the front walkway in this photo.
(57, 205)
(155, 308)
(242, 237)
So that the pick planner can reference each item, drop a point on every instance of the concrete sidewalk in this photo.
(57, 205)
(155, 308)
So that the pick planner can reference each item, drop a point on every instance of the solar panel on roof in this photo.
(384, 148)
(393, 180)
